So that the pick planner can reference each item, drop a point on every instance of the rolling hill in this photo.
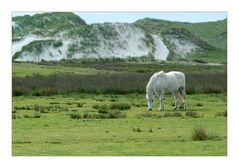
(64, 35)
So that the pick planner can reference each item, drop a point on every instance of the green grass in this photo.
(96, 66)
(29, 69)
(214, 33)
(54, 132)
(46, 23)
(78, 124)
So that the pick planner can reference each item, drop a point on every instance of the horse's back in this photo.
(180, 77)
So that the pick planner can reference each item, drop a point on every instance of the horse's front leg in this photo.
(161, 97)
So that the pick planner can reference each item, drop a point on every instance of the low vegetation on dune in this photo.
(147, 37)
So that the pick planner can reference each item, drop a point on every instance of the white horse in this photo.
(161, 83)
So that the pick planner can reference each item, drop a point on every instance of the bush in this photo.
(57, 44)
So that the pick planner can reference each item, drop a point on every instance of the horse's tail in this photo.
(181, 90)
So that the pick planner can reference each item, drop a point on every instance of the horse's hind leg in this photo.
(161, 97)
(183, 93)
(176, 95)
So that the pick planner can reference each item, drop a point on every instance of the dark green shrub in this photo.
(57, 44)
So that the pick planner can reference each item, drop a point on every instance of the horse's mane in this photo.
(153, 77)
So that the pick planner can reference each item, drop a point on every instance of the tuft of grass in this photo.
(199, 104)
(35, 115)
(153, 115)
(174, 114)
(151, 130)
(116, 114)
(201, 134)
(193, 114)
(149, 114)
(137, 129)
(47, 109)
(224, 114)
(103, 110)
(101, 106)
(14, 116)
(80, 104)
(75, 116)
(120, 106)
(102, 114)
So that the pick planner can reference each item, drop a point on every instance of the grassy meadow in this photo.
(99, 109)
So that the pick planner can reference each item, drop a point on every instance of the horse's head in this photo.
(150, 100)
